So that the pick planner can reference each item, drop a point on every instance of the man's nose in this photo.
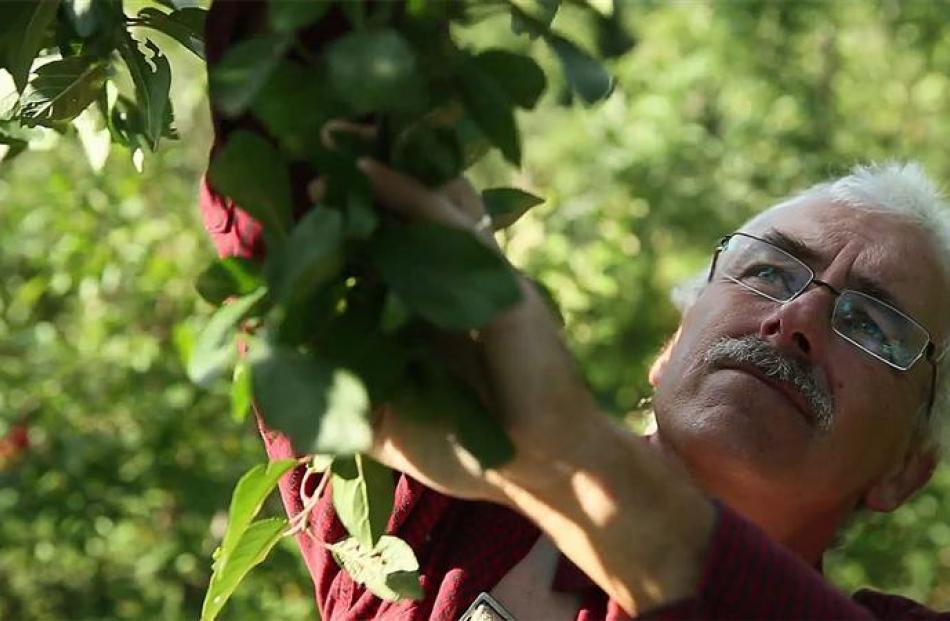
(802, 324)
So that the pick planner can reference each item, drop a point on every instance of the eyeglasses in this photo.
(873, 326)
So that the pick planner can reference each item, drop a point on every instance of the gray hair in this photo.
(901, 189)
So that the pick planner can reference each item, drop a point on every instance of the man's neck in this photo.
(807, 536)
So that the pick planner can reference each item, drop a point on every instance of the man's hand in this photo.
(425, 451)
(517, 362)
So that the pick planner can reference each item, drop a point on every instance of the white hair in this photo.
(901, 189)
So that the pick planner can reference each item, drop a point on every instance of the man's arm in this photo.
(614, 507)
(611, 504)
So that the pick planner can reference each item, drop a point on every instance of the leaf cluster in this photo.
(337, 318)
(341, 309)
(67, 56)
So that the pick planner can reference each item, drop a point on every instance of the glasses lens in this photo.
(763, 268)
(879, 329)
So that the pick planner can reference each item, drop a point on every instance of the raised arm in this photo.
(632, 523)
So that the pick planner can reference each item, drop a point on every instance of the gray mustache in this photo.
(755, 352)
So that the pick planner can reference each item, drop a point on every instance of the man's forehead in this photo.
(815, 232)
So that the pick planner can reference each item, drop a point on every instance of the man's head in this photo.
(796, 410)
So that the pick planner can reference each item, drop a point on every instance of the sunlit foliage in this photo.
(113, 509)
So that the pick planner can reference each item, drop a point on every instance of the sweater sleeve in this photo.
(747, 575)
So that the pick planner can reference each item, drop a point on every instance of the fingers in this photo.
(317, 189)
(465, 196)
(410, 199)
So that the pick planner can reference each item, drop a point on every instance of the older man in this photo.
(802, 385)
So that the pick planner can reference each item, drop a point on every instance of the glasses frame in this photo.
(928, 351)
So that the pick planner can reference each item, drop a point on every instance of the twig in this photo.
(299, 523)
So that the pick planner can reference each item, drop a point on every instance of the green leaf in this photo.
(12, 132)
(312, 255)
(612, 37)
(245, 543)
(236, 79)
(230, 276)
(446, 275)
(431, 154)
(361, 218)
(478, 431)
(185, 25)
(82, 15)
(506, 205)
(519, 75)
(473, 141)
(355, 14)
(404, 584)
(353, 341)
(26, 23)
(252, 172)
(422, 395)
(322, 408)
(151, 85)
(231, 567)
(395, 314)
(61, 90)
(291, 15)
(375, 72)
(248, 497)
(14, 149)
(389, 570)
(215, 348)
(430, 393)
(94, 136)
(125, 121)
(584, 74)
(184, 336)
(240, 391)
(362, 497)
(533, 17)
(297, 319)
(488, 105)
(291, 88)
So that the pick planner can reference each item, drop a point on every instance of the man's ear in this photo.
(902, 482)
(659, 365)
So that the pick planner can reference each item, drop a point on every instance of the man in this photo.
(801, 386)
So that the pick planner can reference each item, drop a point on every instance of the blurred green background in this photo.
(114, 507)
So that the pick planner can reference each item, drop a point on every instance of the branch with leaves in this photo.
(66, 57)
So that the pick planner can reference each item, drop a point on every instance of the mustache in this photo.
(755, 352)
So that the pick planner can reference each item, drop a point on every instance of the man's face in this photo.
(746, 438)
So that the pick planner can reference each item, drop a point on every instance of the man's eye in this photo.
(764, 273)
(869, 333)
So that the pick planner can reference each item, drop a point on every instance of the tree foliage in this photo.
(718, 110)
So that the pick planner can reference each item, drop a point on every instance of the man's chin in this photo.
(727, 448)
